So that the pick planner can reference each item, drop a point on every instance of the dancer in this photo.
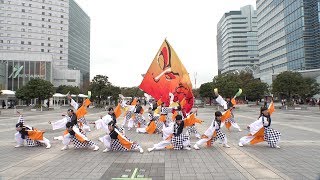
(29, 133)
(260, 130)
(214, 132)
(119, 142)
(172, 134)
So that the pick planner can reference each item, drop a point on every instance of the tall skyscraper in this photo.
(288, 36)
(237, 42)
(35, 42)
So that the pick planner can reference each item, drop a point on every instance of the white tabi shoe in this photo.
(196, 147)
(95, 148)
(278, 147)
(48, 146)
(141, 150)
(19, 145)
(240, 144)
(187, 148)
(240, 130)
(65, 148)
(150, 149)
(106, 150)
(226, 145)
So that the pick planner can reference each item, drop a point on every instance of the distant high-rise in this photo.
(36, 39)
(288, 36)
(237, 42)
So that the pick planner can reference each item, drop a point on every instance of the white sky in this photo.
(126, 35)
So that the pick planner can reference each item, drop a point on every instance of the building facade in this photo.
(79, 43)
(288, 36)
(237, 42)
(34, 40)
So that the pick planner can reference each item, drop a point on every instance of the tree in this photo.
(311, 87)
(206, 91)
(227, 84)
(289, 84)
(99, 82)
(132, 92)
(36, 88)
(255, 90)
(63, 89)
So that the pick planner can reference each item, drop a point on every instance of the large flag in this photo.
(167, 74)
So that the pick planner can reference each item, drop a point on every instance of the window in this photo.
(23, 30)
(1, 41)
(61, 16)
(61, 22)
(22, 23)
(49, 44)
(61, 28)
(50, 14)
(29, 30)
(49, 26)
(60, 58)
(23, 4)
(30, 5)
(43, 19)
(61, 52)
(48, 50)
(42, 50)
(43, 7)
(29, 43)
(49, 20)
(30, 24)
(61, 45)
(61, 40)
(50, 8)
(42, 44)
(29, 17)
(8, 41)
(23, 10)
(42, 25)
(22, 42)
(29, 49)
(43, 13)
(49, 38)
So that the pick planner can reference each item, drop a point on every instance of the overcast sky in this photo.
(126, 35)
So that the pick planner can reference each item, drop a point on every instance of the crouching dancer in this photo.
(31, 134)
(213, 133)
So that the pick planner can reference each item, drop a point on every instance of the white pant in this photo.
(204, 140)
(106, 140)
(141, 130)
(20, 141)
(163, 144)
(131, 123)
(246, 139)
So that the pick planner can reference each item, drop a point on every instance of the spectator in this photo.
(3, 104)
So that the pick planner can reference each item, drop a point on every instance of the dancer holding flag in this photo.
(260, 130)
(228, 105)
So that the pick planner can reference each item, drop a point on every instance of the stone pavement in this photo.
(298, 157)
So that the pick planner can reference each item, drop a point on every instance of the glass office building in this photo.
(79, 42)
(237, 41)
(288, 36)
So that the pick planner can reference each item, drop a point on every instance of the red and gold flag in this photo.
(167, 74)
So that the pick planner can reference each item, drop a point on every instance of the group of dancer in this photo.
(169, 121)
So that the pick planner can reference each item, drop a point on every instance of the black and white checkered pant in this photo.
(192, 129)
(128, 115)
(220, 135)
(271, 136)
(32, 143)
(78, 144)
(139, 119)
(180, 141)
(117, 146)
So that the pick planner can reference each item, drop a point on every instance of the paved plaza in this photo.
(298, 158)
